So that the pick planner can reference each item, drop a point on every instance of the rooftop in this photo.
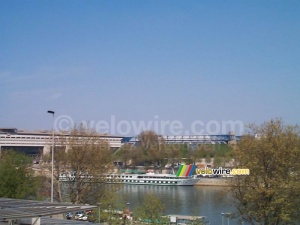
(25, 210)
(15, 131)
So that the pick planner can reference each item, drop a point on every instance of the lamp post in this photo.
(52, 160)
(227, 215)
(99, 212)
(128, 203)
(222, 218)
(205, 222)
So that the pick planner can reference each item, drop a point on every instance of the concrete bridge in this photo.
(39, 142)
(190, 139)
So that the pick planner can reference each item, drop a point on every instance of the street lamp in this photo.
(205, 222)
(128, 203)
(52, 160)
(227, 215)
(222, 218)
(128, 211)
(99, 212)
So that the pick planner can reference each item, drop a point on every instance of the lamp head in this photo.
(51, 112)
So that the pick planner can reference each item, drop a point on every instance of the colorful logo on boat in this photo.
(186, 170)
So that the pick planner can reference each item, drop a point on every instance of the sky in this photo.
(176, 67)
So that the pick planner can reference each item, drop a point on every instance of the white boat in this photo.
(146, 179)
(152, 179)
(183, 177)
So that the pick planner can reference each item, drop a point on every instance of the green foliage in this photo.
(269, 195)
(221, 150)
(173, 153)
(208, 159)
(151, 210)
(218, 161)
(125, 153)
(184, 151)
(151, 147)
(112, 206)
(16, 176)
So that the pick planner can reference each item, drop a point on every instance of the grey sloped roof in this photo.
(11, 209)
(52, 221)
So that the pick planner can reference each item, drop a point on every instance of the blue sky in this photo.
(149, 60)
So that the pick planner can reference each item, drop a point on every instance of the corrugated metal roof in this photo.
(52, 221)
(11, 209)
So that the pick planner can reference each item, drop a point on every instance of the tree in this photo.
(149, 143)
(270, 194)
(173, 153)
(88, 156)
(124, 153)
(16, 176)
(218, 161)
(60, 166)
(136, 156)
(201, 151)
(110, 206)
(208, 159)
(158, 153)
(151, 210)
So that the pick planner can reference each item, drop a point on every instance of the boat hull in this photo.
(138, 179)
(154, 179)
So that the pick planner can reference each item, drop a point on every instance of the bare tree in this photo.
(60, 166)
(88, 158)
(83, 156)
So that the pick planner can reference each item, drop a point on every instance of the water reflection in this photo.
(199, 200)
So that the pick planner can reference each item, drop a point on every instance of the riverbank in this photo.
(222, 182)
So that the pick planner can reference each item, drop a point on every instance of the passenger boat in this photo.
(152, 179)
(183, 177)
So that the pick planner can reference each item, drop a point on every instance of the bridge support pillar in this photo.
(46, 149)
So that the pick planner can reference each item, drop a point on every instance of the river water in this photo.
(208, 201)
